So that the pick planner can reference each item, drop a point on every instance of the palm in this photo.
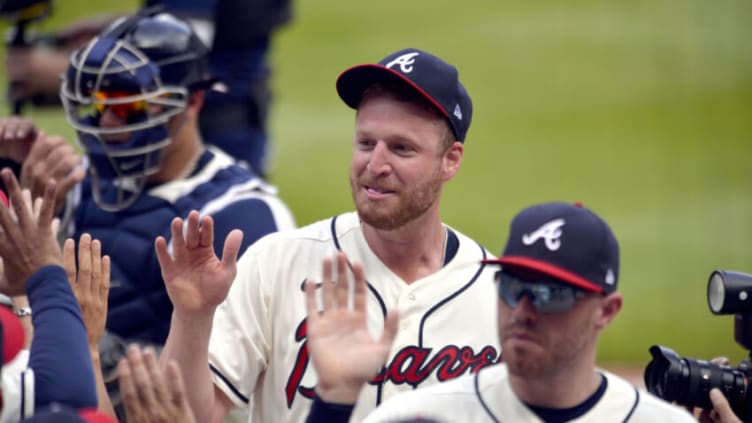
(196, 279)
(343, 350)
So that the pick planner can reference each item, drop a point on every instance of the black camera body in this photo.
(688, 381)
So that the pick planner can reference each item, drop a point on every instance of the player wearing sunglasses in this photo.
(557, 292)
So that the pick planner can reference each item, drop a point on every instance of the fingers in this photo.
(206, 234)
(17, 129)
(96, 268)
(84, 265)
(343, 286)
(104, 288)
(390, 328)
(722, 407)
(231, 248)
(155, 376)
(327, 286)
(163, 256)
(20, 208)
(359, 287)
(192, 235)
(178, 240)
(141, 378)
(128, 391)
(7, 221)
(311, 306)
(69, 263)
(47, 210)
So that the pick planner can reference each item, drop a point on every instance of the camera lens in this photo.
(688, 381)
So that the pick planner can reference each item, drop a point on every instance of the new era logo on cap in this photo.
(433, 78)
(567, 242)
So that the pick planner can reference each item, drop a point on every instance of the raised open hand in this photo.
(17, 134)
(342, 350)
(52, 157)
(27, 242)
(90, 281)
(149, 396)
(196, 279)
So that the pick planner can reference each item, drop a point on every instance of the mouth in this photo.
(521, 336)
(375, 192)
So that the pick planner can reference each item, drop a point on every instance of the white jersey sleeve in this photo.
(18, 389)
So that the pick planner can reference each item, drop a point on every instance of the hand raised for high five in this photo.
(151, 395)
(90, 281)
(196, 279)
(27, 242)
(342, 350)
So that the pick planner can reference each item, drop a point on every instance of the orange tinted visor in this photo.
(122, 110)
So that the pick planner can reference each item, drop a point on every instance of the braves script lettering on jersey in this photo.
(487, 396)
(258, 345)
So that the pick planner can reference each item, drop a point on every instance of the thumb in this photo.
(722, 407)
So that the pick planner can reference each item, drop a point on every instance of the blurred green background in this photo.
(642, 110)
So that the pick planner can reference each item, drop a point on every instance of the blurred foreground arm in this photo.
(32, 262)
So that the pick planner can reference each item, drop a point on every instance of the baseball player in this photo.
(133, 95)
(557, 292)
(412, 118)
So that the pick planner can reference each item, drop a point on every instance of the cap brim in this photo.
(354, 81)
(547, 269)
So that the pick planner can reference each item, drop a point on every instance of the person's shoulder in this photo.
(470, 246)
(646, 406)
(314, 234)
(652, 408)
(454, 400)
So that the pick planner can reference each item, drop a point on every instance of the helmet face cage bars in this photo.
(111, 73)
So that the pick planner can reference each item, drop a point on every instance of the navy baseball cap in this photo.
(434, 79)
(565, 241)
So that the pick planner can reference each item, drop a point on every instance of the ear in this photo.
(609, 308)
(195, 103)
(451, 160)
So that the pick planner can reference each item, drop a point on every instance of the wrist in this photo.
(341, 394)
(22, 312)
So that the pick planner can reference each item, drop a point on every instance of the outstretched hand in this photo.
(149, 395)
(342, 350)
(27, 241)
(196, 279)
(90, 281)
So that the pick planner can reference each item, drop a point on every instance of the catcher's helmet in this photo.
(141, 69)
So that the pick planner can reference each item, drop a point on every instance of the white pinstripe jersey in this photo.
(487, 396)
(257, 351)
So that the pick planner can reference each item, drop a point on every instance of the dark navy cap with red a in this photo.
(565, 241)
(433, 78)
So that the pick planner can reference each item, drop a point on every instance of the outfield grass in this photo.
(641, 110)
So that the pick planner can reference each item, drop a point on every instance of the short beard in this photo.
(414, 202)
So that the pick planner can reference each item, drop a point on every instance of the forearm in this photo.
(59, 355)
(103, 397)
(188, 345)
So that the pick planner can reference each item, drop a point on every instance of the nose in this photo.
(108, 119)
(525, 307)
(378, 162)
